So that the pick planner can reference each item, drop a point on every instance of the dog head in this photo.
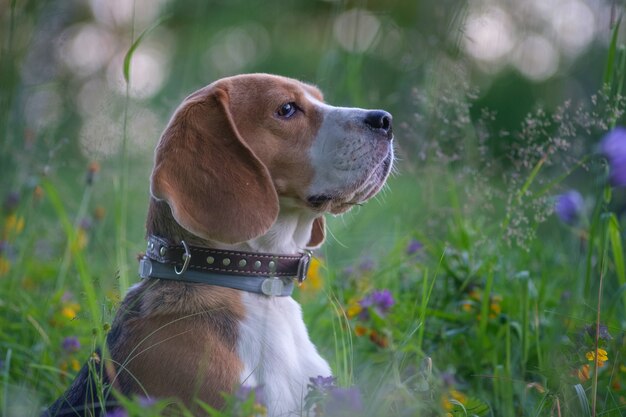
(238, 149)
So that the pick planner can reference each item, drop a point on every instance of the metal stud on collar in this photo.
(186, 259)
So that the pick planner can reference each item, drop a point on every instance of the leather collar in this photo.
(263, 273)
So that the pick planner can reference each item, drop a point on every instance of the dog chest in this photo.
(276, 352)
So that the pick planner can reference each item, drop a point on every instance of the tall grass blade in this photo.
(5, 382)
(617, 249)
(582, 399)
(609, 69)
(133, 47)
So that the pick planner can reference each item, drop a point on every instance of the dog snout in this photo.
(379, 120)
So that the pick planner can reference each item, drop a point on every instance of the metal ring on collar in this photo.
(186, 259)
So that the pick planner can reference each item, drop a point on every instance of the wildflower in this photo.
(603, 332)
(322, 383)
(613, 147)
(38, 192)
(616, 385)
(244, 392)
(11, 201)
(314, 280)
(379, 301)
(71, 344)
(5, 265)
(92, 170)
(569, 207)
(344, 401)
(475, 293)
(73, 364)
(379, 339)
(70, 310)
(366, 265)
(99, 212)
(583, 373)
(413, 247)
(118, 412)
(81, 240)
(360, 330)
(495, 310)
(146, 402)
(467, 306)
(13, 225)
(85, 223)
(354, 308)
(602, 356)
(447, 401)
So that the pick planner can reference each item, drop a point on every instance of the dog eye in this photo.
(287, 110)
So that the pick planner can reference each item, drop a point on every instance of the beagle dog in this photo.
(243, 175)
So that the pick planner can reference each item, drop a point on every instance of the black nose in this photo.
(379, 119)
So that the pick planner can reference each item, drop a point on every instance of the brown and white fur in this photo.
(248, 163)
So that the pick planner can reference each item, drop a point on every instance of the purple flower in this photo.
(243, 393)
(380, 301)
(146, 402)
(569, 207)
(349, 270)
(67, 297)
(366, 265)
(413, 247)
(342, 401)
(85, 223)
(322, 383)
(11, 201)
(70, 344)
(117, 412)
(613, 147)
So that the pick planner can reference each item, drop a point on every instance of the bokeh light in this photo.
(356, 29)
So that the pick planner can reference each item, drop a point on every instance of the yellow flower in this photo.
(495, 308)
(74, 364)
(354, 308)
(5, 265)
(602, 356)
(81, 240)
(467, 306)
(70, 310)
(475, 294)
(622, 368)
(459, 396)
(314, 280)
(453, 394)
(13, 225)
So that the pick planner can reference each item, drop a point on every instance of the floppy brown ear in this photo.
(214, 184)
(318, 233)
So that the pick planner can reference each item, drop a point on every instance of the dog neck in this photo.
(289, 234)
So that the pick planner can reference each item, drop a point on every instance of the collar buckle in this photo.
(303, 266)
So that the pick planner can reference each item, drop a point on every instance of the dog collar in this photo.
(261, 273)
